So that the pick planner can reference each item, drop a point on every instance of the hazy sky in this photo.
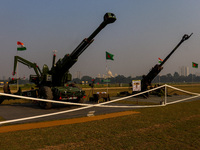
(144, 30)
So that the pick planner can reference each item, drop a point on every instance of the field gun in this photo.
(54, 83)
(147, 79)
(60, 70)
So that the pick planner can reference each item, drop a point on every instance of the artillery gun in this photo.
(54, 83)
(147, 79)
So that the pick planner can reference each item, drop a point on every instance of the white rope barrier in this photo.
(94, 105)
(182, 90)
(51, 114)
(178, 101)
(43, 100)
(45, 115)
(80, 104)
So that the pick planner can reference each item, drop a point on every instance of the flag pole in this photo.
(17, 78)
(108, 56)
(192, 76)
(20, 47)
(107, 74)
(17, 74)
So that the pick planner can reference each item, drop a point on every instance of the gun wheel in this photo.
(1, 100)
(45, 93)
(6, 88)
(80, 100)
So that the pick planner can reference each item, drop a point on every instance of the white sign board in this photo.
(136, 85)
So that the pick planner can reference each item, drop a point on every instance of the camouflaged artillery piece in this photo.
(54, 83)
(147, 79)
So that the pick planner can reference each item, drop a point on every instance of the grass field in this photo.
(1, 119)
(172, 127)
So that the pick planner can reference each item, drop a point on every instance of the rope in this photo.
(94, 105)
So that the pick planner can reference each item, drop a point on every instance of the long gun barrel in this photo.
(108, 18)
(185, 37)
(146, 81)
(61, 68)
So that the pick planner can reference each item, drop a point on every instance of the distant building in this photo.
(99, 75)
(184, 71)
(109, 73)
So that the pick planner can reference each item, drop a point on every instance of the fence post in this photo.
(165, 95)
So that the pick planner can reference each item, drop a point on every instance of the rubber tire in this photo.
(45, 93)
(80, 100)
(1, 100)
(6, 88)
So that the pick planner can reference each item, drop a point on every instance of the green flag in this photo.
(194, 65)
(109, 56)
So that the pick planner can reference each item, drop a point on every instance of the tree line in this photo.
(168, 78)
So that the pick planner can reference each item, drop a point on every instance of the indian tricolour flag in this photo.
(160, 60)
(20, 46)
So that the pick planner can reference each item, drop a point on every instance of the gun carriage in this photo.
(55, 83)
